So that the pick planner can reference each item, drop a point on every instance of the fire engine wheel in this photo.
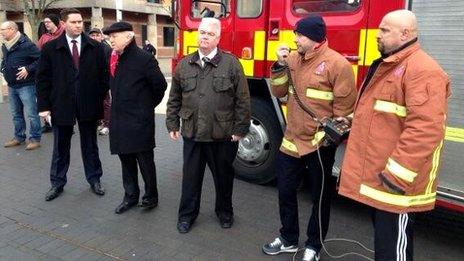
(258, 149)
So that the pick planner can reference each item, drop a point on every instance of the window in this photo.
(210, 8)
(249, 8)
(153, 1)
(87, 26)
(144, 33)
(304, 7)
(168, 36)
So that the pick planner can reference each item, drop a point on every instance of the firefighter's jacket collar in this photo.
(311, 54)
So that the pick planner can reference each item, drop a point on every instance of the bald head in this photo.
(8, 30)
(396, 29)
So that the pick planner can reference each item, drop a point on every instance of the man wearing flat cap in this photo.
(137, 87)
(322, 80)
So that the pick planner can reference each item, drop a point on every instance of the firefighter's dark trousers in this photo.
(393, 236)
(219, 156)
(290, 172)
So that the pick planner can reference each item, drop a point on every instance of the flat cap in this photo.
(118, 27)
(95, 30)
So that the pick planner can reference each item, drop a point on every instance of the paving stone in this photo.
(81, 226)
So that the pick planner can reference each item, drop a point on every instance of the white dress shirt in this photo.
(78, 39)
(210, 56)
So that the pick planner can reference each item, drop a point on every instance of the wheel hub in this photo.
(253, 148)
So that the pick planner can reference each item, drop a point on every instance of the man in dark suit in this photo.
(137, 87)
(72, 81)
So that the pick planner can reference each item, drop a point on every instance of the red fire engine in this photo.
(252, 29)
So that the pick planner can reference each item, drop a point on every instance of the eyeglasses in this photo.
(212, 34)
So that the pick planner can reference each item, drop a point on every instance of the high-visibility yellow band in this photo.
(454, 134)
(397, 200)
(280, 80)
(318, 94)
(289, 145)
(434, 169)
(318, 137)
(401, 172)
(390, 107)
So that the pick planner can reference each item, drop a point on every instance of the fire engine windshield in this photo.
(304, 7)
(210, 8)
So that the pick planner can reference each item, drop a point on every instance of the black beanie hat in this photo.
(54, 18)
(313, 27)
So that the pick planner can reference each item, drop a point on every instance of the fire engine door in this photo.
(249, 43)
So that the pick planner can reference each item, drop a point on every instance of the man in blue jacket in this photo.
(20, 59)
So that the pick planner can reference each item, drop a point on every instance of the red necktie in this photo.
(113, 62)
(75, 53)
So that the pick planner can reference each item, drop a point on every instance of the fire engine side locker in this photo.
(441, 34)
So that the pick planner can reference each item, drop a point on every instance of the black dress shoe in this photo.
(183, 227)
(53, 193)
(124, 206)
(149, 203)
(226, 222)
(97, 188)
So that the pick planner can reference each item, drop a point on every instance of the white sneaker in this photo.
(310, 255)
(104, 131)
(277, 247)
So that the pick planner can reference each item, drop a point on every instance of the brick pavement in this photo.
(81, 226)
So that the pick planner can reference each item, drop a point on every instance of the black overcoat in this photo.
(137, 87)
(71, 93)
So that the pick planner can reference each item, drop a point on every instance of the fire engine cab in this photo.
(252, 29)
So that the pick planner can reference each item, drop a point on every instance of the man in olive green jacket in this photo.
(209, 93)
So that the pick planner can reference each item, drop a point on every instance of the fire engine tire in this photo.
(255, 161)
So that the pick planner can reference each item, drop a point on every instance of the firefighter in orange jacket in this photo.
(324, 81)
(392, 157)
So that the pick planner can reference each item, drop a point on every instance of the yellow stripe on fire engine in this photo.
(355, 71)
(190, 42)
(285, 36)
(368, 46)
(454, 134)
(397, 200)
(259, 45)
(248, 66)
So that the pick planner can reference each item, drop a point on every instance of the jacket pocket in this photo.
(223, 124)
(419, 97)
(222, 83)
(188, 82)
(188, 125)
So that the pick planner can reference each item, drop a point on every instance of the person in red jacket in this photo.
(392, 157)
(54, 30)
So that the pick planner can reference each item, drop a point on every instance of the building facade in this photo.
(151, 19)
